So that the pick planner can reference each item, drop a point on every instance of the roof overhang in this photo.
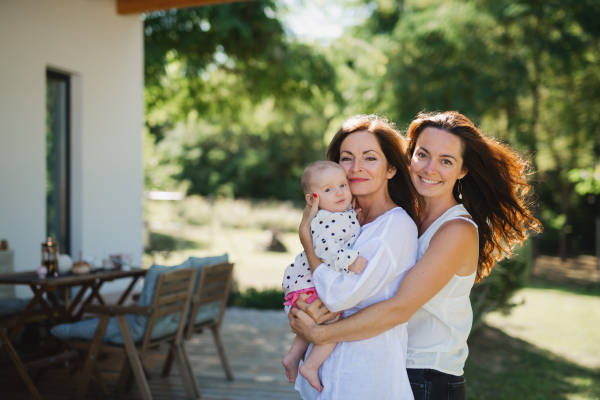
(139, 6)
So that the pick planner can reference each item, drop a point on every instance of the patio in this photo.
(256, 341)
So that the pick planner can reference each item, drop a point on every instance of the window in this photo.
(57, 159)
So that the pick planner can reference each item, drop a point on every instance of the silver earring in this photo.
(459, 190)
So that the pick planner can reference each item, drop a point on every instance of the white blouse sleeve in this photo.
(390, 252)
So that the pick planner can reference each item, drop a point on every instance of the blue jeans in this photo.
(429, 384)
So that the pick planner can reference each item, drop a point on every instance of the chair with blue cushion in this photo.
(208, 308)
(159, 317)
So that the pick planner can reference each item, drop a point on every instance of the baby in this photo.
(334, 231)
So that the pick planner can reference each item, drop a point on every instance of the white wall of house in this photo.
(103, 53)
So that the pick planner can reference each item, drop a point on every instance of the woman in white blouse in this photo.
(474, 212)
(371, 151)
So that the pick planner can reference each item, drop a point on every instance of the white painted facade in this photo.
(103, 53)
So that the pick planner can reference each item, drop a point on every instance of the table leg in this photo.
(66, 296)
(95, 288)
(45, 306)
(129, 288)
(75, 302)
(63, 313)
(19, 365)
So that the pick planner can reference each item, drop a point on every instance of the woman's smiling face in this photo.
(365, 164)
(436, 163)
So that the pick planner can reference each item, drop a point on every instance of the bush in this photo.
(268, 299)
(495, 291)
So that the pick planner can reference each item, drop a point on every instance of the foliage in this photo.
(587, 180)
(237, 109)
(233, 107)
(496, 290)
(526, 71)
(191, 53)
(268, 299)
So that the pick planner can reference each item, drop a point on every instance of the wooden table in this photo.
(58, 313)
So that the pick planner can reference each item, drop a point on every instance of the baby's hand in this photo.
(357, 209)
(358, 266)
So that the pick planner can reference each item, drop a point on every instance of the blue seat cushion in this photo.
(151, 279)
(13, 306)
(86, 329)
(10, 307)
(206, 312)
(199, 262)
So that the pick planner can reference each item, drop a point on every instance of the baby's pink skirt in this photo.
(291, 298)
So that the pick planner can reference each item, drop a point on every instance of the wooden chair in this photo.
(166, 319)
(208, 308)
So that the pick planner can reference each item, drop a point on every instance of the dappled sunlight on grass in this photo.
(501, 367)
(566, 323)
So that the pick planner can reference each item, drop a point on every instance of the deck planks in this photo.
(255, 341)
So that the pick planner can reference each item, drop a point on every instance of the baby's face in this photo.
(332, 188)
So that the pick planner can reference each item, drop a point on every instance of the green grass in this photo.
(547, 347)
(587, 290)
(502, 367)
(557, 320)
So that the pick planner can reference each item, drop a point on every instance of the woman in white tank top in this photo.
(474, 212)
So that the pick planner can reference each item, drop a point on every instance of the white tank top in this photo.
(438, 331)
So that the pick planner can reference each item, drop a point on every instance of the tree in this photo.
(240, 108)
(525, 70)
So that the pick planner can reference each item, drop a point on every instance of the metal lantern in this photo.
(50, 256)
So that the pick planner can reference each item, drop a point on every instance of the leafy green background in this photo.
(236, 108)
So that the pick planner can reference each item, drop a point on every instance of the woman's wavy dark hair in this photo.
(393, 145)
(494, 190)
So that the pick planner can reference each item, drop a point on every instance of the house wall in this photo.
(103, 53)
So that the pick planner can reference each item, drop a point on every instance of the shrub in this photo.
(268, 299)
(496, 290)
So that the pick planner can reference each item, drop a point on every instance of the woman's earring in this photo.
(459, 190)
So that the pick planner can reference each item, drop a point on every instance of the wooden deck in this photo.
(256, 342)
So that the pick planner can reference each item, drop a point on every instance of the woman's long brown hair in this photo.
(394, 146)
(494, 191)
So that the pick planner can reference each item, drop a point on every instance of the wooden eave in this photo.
(140, 6)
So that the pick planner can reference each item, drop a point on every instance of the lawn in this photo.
(548, 347)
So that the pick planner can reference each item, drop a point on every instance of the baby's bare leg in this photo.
(310, 369)
(292, 360)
